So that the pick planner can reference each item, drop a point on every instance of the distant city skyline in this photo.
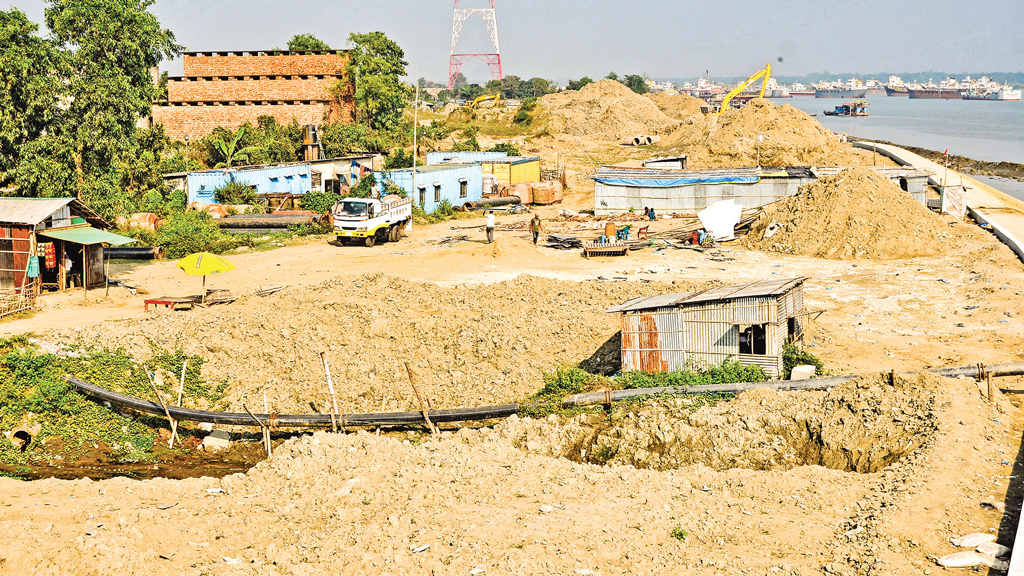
(663, 39)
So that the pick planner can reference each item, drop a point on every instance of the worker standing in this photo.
(536, 227)
(490, 226)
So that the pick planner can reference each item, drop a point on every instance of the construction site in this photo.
(746, 345)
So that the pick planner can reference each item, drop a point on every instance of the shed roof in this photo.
(32, 211)
(763, 288)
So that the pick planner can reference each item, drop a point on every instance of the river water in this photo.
(979, 129)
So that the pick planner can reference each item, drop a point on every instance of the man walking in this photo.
(490, 226)
(535, 227)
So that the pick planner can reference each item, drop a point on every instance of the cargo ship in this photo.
(875, 87)
(853, 88)
(1005, 93)
(948, 89)
(776, 90)
(896, 87)
(798, 89)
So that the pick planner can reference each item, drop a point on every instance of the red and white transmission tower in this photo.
(490, 20)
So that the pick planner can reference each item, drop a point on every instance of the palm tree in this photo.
(228, 150)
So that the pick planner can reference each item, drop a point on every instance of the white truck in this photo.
(368, 220)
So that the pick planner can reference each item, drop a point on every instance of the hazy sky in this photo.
(663, 38)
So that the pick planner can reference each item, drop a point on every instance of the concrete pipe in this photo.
(22, 436)
(655, 139)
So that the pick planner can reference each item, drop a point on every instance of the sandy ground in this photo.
(483, 500)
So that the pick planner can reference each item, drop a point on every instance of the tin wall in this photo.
(690, 199)
(435, 158)
(291, 179)
(449, 180)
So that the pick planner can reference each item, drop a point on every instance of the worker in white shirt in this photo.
(490, 226)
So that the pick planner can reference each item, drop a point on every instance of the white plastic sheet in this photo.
(720, 219)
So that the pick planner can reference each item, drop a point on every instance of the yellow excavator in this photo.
(766, 72)
(484, 98)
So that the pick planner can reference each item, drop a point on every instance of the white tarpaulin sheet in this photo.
(720, 219)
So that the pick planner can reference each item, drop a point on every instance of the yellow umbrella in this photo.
(203, 264)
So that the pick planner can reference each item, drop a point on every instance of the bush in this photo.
(792, 356)
(365, 188)
(143, 236)
(731, 371)
(510, 149)
(187, 233)
(319, 202)
(399, 159)
(177, 202)
(236, 193)
(390, 188)
(153, 202)
(521, 117)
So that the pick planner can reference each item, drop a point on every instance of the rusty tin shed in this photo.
(749, 323)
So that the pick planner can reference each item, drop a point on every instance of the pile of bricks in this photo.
(228, 89)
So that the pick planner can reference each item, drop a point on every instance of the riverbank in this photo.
(962, 164)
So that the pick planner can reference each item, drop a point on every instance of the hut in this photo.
(64, 234)
(455, 183)
(750, 323)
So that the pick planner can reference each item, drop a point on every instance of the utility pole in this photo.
(415, 134)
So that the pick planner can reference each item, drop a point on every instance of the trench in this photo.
(860, 427)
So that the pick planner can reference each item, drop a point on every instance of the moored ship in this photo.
(798, 89)
(851, 89)
(948, 89)
(896, 87)
(1005, 93)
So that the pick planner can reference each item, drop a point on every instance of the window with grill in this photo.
(437, 191)
(423, 196)
(463, 188)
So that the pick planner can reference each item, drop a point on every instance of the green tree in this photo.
(612, 76)
(577, 84)
(376, 65)
(229, 153)
(636, 84)
(306, 43)
(109, 48)
(28, 87)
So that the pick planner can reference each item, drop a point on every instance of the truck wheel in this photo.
(401, 230)
(393, 234)
(370, 241)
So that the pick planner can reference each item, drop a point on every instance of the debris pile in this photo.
(604, 109)
(854, 214)
(678, 107)
(789, 138)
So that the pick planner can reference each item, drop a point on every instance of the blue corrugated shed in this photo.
(435, 158)
(456, 183)
(289, 179)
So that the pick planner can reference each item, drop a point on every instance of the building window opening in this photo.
(795, 331)
(463, 188)
(753, 339)
(437, 192)
(423, 196)
(903, 184)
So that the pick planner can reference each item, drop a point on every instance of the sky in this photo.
(661, 38)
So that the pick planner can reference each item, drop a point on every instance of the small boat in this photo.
(854, 108)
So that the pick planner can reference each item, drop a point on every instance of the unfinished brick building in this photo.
(228, 89)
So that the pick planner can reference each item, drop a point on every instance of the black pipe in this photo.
(112, 398)
(593, 398)
(134, 253)
(488, 202)
(269, 221)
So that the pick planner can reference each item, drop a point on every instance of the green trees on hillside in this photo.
(376, 65)
(306, 43)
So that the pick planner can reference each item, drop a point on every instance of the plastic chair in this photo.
(623, 233)
(642, 233)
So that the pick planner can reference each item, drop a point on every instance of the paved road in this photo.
(1004, 212)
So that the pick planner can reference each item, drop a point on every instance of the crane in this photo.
(766, 72)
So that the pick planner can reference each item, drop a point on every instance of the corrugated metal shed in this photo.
(285, 179)
(34, 211)
(456, 183)
(513, 169)
(435, 158)
(749, 323)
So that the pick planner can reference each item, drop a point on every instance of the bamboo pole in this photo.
(423, 406)
(181, 390)
(266, 430)
(162, 405)
(330, 387)
(266, 438)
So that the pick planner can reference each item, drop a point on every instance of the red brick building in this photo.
(228, 89)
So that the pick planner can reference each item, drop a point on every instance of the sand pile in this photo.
(863, 426)
(604, 109)
(791, 138)
(469, 345)
(678, 107)
(854, 214)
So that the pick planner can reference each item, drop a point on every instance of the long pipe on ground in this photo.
(135, 253)
(269, 221)
(111, 398)
(593, 398)
(102, 395)
(488, 202)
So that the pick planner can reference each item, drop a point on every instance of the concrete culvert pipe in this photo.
(22, 436)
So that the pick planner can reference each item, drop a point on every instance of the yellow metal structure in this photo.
(508, 171)
(766, 72)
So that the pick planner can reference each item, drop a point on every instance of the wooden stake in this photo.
(330, 387)
(266, 430)
(892, 377)
(159, 399)
(266, 438)
(181, 390)
(423, 406)
(991, 390)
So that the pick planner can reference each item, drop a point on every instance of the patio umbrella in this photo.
(203, 264)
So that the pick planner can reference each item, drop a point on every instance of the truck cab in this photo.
(368, 219)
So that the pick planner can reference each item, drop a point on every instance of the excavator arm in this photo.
(766, 72)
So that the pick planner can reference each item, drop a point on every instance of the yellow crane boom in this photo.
(766, 72)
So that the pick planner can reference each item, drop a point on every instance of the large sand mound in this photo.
(854, 214)
(679, 107)
(791, 138)
(604, 109)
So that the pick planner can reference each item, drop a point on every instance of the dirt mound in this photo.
(604, 109)
(791, 138)
(469, 345)
(679, 107)
(861, 426)
(854, 214)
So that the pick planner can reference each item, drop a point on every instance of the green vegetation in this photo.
(792, 356)
(306, 43)
(319, 202)
(187, 233)
(507, 148)
(236, 193)
(33, 390)
(376, 64)
(577, 84)
(226, 150)
(679, 533)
